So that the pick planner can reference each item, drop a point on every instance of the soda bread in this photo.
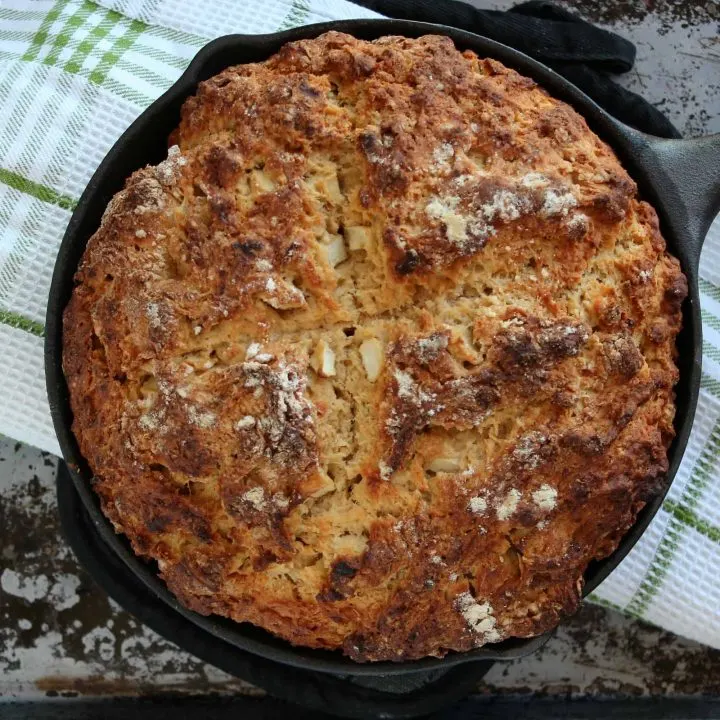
(382, 355)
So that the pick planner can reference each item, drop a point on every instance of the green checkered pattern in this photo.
(75, 73)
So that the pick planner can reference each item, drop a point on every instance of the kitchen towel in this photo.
(73, 76)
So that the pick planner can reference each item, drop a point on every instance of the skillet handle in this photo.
(686, 181)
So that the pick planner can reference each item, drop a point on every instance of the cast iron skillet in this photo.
(680, 177)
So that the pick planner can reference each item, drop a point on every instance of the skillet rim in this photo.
(627, 143)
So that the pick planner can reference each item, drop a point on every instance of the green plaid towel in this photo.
(73, 76)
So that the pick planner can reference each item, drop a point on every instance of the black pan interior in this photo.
(146, 142)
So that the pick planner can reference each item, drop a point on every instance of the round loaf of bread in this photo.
(382, 355)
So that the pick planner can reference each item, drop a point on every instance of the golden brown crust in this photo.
(382, 357)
